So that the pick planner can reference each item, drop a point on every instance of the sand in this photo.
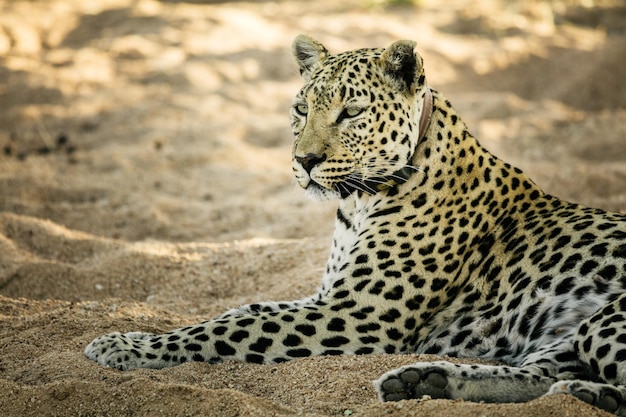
(145, 180)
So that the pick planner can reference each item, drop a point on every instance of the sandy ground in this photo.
(145, 180)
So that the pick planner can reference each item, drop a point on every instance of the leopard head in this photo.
(356, 121)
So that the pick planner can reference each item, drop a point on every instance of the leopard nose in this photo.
(310, 160)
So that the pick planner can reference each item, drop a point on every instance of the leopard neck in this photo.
(402, 175)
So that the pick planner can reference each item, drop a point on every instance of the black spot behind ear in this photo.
(401, 64)
(309, 54)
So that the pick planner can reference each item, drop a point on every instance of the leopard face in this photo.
(356, 119)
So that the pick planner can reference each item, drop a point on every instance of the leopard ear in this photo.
(402, 65)
(309, 54)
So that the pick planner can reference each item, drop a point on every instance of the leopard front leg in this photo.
(264, 337)
(443, 379)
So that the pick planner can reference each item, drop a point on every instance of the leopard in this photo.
(439, 247)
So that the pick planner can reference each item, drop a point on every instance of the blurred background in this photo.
(148, 119)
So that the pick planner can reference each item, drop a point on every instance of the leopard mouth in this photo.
(316, 191)
(342, 188)
(352, 183)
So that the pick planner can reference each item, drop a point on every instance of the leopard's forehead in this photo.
(343, 75)
(359, 57)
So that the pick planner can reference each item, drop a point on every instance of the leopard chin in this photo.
(316, 192)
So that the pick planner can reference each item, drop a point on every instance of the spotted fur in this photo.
(439, 247)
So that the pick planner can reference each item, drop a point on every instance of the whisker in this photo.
(375, 180)
(356, 183)
(342, 189)
(370, 171)
(387, 166)
(368, 177)
(366, 190)
(363, 187)
(396, 177)
(383, 163)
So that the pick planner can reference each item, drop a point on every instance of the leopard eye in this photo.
(353, 112)
(301, 109)
(349, 113)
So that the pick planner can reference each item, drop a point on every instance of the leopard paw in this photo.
(604, 396)
(413, 382)
(120, 351)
